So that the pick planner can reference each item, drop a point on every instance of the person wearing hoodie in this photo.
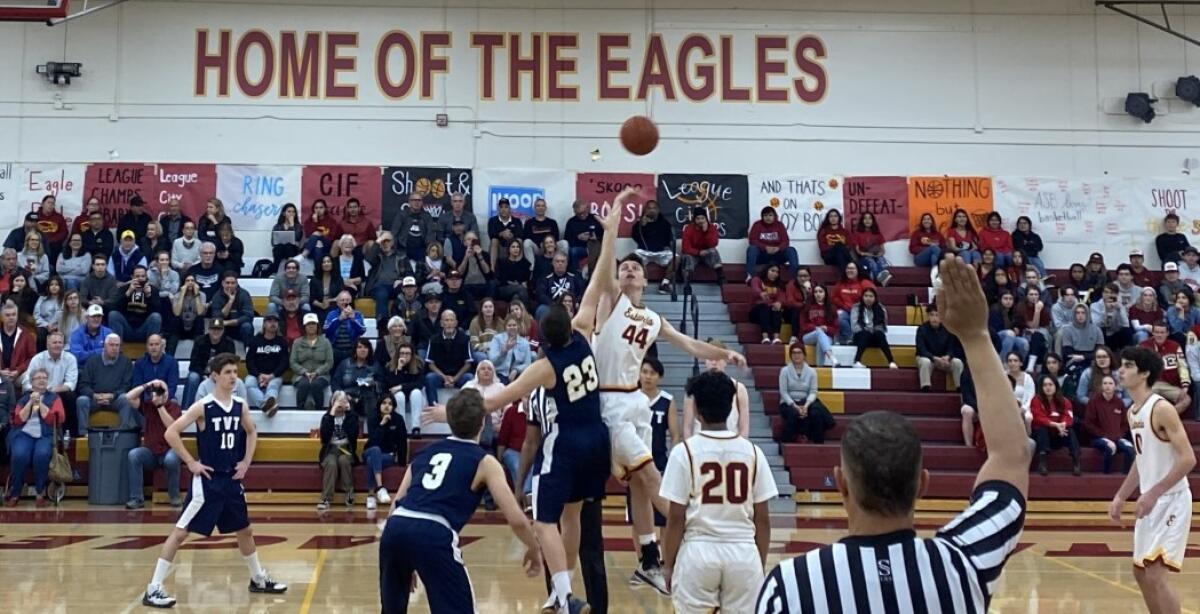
(1113, 319)
(1170, 243)
(52, 225)
(1127, 291)
(1144, 314)
(833, 241)
(1080, 339)
(1028, 242)
(868, 247)
(769, 244)
(1171, 285)
(289, 278)
(846, 294)
(926, 243)
(1182, 317)
(993, 236)
(816, 319)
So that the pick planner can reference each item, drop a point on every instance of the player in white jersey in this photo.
(718, 528)
(738, 421)
(1164, 459)
(625, 330)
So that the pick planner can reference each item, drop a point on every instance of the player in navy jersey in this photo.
(440, 491)
(664, 434)
(225, 442)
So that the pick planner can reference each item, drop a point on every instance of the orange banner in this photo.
(941, 196)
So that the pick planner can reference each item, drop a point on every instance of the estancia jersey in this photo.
(621, 344)
(719, 477)
(1155, 457)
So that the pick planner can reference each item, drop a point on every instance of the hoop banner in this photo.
(435, 185)
(254, 195)
(337, 184)
(599, 189)
(942, 196)
(523, 186)
(726, 197)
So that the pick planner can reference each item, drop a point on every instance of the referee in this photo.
(883, 566)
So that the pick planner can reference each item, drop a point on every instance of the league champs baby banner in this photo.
(254, 195)
(1069, 210)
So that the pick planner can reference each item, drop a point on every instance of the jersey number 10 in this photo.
(581, 379)
(735, 477)
(227, 440)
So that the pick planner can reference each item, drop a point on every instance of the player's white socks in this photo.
(647, 539)
(562, 586)
(256, 570)
(161, 569)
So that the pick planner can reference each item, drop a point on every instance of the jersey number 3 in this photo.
(636, 335)
(734, 476)
(581, 379)
(437, 470)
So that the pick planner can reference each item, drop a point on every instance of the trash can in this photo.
(108, 465)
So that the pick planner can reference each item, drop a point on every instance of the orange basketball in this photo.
(639, 135)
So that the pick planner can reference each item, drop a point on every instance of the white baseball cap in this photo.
(95, 310)
(311, 318)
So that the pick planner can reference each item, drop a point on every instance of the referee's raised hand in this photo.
(960, 298)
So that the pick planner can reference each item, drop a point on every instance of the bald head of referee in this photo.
(883, 565)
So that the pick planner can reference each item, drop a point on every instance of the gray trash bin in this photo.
(108, 465)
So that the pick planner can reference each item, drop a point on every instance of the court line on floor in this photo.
(312, 582)
(1103, 579)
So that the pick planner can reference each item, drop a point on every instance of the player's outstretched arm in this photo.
(174, 438)
(497, 484)
(539, 375)
(1166, 424)
(603, 281)
(698, 348)
(965, 313)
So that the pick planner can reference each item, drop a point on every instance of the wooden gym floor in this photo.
(98, 560)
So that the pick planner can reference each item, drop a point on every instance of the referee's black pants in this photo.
(591, 556)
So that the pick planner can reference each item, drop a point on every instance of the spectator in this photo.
(22, 294)
(1018, 267)
(1113, 319)
(846, 295)
(1104, 362)
(207, 272)
(1189, 269)
(214, 216)
(157, 411)
(937, 350)
(456, 298)
(62, 371)
(529, 326)
(88, 339)
(1077, 279)
(833, 241)
(188, 311)
(163, 278)
(993, 236)
(72, 316)
(31, 440)
(1052, 421)
(47, 312)
(475, 270)
(156, 365)
(795, 294)
(1007, 324)
(583, 234)
(1104, 421)
(655, 241)
(286, 245)
(699, 246)
(1037, 327)
(1137, 266)
(339, 450)
(289, 279)
(1032, 280)
(1053, 366)
(359, 376)
(1062, 314)
(16, 237)
(311, 362)
(104, 381)
(1022, 382)
(455, 246)
(385, 348)
(509, 351)
(868, 245)
(1029, 243)
(483, 328)
(869, 325)
(768, 311)
(458, 214)
(343, 326)
(1170, 243)
(503, 228)
(998, 282)
(543, 262)
(961, 239)
(387, 272)
(986, 265)
(100, 288)
(435, 268)
(926, 243)
(8, 269)
(415, 229)
(52, 226)
(1172, 285)
(803, 413)
(135, 220)
(1080, 339)
(127, 256)
(1175, 380)
(511, 439)
(266, 361)
(816, 323)
(172, 220)
(137, 315)
(513, 275)
(428, 322)
(1144, 314)
(185, 250)
(356, 224)
(98, 239)
(535, 229)
(769, 244)
(404, 378)
(230, 250)
(409, 303)
(34, 258)
(448, 358)
(349, 264)
(234, 307)
(291, 323)
(1096, 275)
(203, 350)
(324, 286)
(553, 286)
(82, 222)
(387, 446)
(154, 242)
(74, 262)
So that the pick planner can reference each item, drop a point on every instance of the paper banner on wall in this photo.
(800, 201)
(599, 190)
(725, 196)
(942, 196)
(64, 181)
(337, 184)
(115, 184)
(1153, 199)
(884, 197)
(10, 213)
(192, 184)
(435, 185)
(254, 195)
(522, 187)
(1068, 210)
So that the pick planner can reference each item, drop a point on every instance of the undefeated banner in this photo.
(254, 195)
(726, 197)
(1070, 210)
(434, 185)
(599, 189)
(942, 196)
(884, 197)
(337, 184)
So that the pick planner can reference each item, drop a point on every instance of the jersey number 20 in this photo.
(735, 477)
(581, 379)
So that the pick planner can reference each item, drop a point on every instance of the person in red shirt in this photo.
(796, 293)
(1142, 277)
(155, 413)
(815, 321)
(868, 249)
(356, 224)
(768, 312)
(834, 241)
(700, 240)
(1175, 380)
(995, 237)
(80, 224)
(926, 242)
(845, 295)
(53, 227)
(769, 244)
(1052, 421)
(1104, 422)
(961, 239)
(321, 221)
(509, 443)
(1144, 314)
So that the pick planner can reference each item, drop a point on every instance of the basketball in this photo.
(639, 135)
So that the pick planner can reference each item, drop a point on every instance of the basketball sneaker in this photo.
(574, 605)
(653, 578)
(383, 496)
(156, 597)
(265, 584)
(635, 580)
(371, 504)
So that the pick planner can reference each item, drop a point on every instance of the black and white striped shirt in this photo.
(953, 572)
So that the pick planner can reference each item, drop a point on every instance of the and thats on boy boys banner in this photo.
(942, 196)
(337, 184)
(726, 197)
(254, 195)
(435, 185)
(800, 201)
(599, 190)
(884, 197)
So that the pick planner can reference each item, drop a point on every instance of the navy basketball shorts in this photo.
(575, 465)
(219, 502)
(430, 549)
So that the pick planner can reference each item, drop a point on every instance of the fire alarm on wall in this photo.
(442, 120)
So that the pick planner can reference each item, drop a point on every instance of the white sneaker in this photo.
(859, 365)
(653, 578)
(156, 597)
(323, 505)
(371, 505)
(892, 365)
(382, 495)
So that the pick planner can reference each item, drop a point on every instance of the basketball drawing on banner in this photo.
(942, 196)
(254, 195)
(435, 186)
(599, 190)
(725, 197)
(338, 184)
(1067, 210)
